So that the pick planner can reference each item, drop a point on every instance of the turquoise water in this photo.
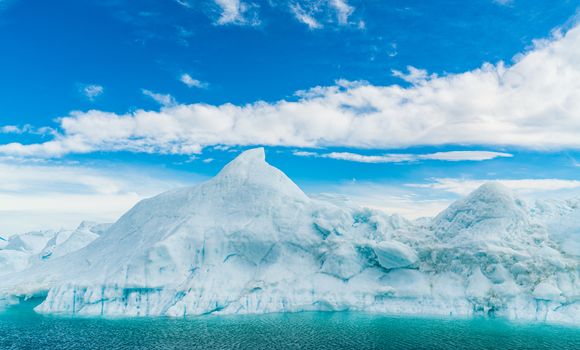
(26, 330)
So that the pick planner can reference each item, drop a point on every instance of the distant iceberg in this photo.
(250, 241)
(20, 252)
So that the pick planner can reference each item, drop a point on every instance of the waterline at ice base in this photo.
(250, 241)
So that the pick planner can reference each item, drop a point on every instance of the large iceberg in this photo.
(250, 241)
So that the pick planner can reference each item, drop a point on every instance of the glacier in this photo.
(250, 240)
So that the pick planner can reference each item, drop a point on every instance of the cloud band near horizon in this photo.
(532, 104)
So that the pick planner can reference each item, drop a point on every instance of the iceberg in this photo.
(20, 252)
(250, 240)
(15, 252)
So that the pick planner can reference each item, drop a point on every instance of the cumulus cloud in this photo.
(190, 82)
(451, 156)
(92, 91)
(534, 104)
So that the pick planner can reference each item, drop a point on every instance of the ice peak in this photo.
(492, 189)
(248, 162)
(251, 169)
(251, 157)
(496, 197)
(492, 206)
(491, 196)
(254, 154)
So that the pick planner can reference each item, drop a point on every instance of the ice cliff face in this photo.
(250, 241)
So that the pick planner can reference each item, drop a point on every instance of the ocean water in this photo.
(313, 330)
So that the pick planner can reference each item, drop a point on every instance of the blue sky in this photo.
(402, 105)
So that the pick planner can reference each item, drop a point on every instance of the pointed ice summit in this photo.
(249, 171)
(250, 241)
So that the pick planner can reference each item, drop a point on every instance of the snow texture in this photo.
(25, 250)
(250, 241)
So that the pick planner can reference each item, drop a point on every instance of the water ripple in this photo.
(278, 331)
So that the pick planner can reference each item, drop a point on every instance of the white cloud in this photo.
(92, 91)
(343, 10)
(307, 12)
(25, 129)
(304, 17)
(41, 196)
(421, 200)
(305, 154)
(466, 186)
(389, 158)
(451, 156)
(231, 11)
(360, 158)
(184, 3)
(414, 75)
(240, 12)
(408, 207)
(190, 82)
(14, 129)
(236, 12)
(455, 156)
(390, 198)
(163, 99)
(534, 104)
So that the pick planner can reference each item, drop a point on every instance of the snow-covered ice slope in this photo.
(65, 242)
(16, 251)
(25, 250)
(250, 241)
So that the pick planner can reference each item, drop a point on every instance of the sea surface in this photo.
(23, 329)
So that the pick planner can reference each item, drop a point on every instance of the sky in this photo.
(403, 106)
